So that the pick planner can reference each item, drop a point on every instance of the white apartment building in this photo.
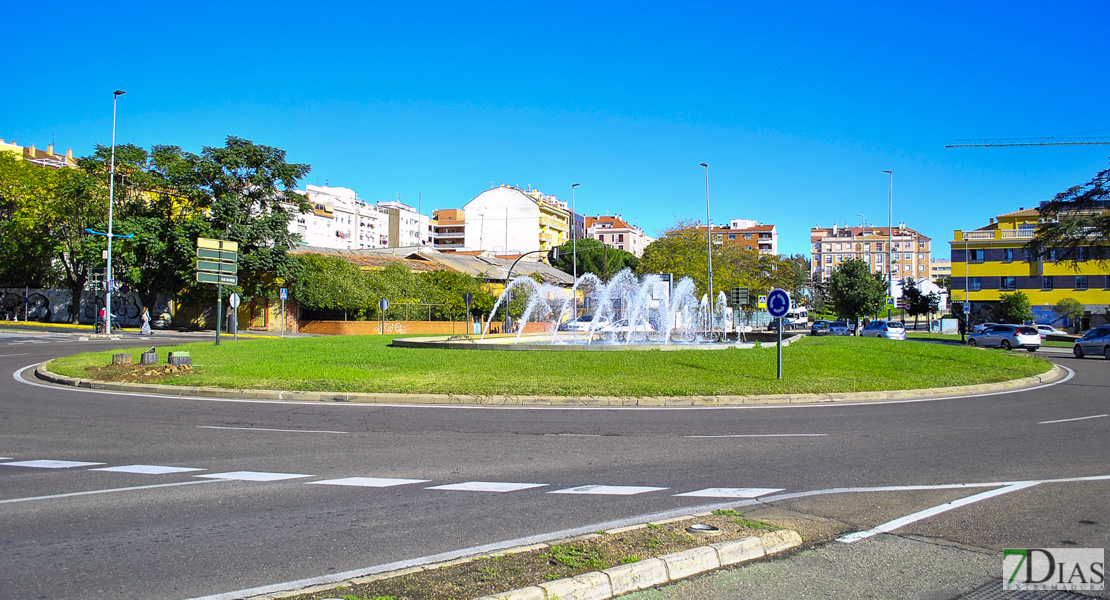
(903, 254)
(508, 220)
(406, 226)
(340, 219)
(615, 232)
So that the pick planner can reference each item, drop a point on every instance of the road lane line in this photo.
(265, 429)
(760, 435)
(19, 354)
(936, 510)
(108, 491)
(1070, 420)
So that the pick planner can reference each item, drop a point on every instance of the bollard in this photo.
(123, 358)
(179, 358)
(150, 357)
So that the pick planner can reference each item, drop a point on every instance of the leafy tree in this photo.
(1070, 309)
(944, 282)
(855, 291)
(594, 257)
(1077, 223)
(27, 251)
(401, 287)
(1015, 308)
(919, 302)
(330, 283)
(447, 289)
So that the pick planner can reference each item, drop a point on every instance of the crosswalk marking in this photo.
(50, 464)
(147, 469)
(486, 486)
(253, 476)
(609, 490)
(730, 492)
(375, 482)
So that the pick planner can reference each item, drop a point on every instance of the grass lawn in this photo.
(369, 364)
(955, 337)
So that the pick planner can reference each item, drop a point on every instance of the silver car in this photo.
(1094, 342)
(891, 330)
(841, 328)
(1007, 337)
(584, 323)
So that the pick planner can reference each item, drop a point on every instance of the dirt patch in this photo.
(474, 578)
(136, 373)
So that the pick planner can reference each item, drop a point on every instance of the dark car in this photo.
(819, 327)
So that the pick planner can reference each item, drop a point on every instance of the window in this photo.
(908, 256)
(828, 259)
(1080, 282)
(975, 284)
(620, 238)
(867, 247)
(1008, 255)
(1009, 283)
(878, 247)
(1051, 254)
(923, 245)
(1083, 253)
(828, 247)
(921, 267)
(1046, 282)
(976, 255)
(920, 256)
(878, 258)
(748, 236)
(732, 236)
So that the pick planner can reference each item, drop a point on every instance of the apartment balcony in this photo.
(997, 235)
(449, 235)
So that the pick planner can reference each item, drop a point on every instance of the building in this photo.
(449, 230)
(511, 221)
(750, 234)
(939, 268)
(340, 219)
(615, 232)
(407, 227)
(42, 158)
(991, 261)
(902, 252)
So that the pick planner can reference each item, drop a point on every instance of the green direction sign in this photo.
(206, 277)
(209, 254)
(216, 267)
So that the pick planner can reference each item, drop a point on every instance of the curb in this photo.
(614, 581)
(42, 372)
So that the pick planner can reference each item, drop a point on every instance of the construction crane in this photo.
(1048, 141)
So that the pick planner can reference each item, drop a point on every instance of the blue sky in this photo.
(797, 108)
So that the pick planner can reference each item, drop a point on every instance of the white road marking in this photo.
(50, 464)
(760, 435)
(93, 492)
(486, 486)
(1070, 420)
(18, 354)
(731, 492)
(252, 476)
(147, 469)
(936, 510)
(609, 490)
(377, 482)
(265, 429)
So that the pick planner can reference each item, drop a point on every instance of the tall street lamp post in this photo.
(111, 201)
(709, 248)
(889, 242)
(574, 243)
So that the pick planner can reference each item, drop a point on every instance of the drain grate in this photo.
(994, 591)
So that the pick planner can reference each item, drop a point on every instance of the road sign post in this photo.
(284, 293)
(218, 263)
(233, 315)
(383, 305)
(778, 304)
(469, 297)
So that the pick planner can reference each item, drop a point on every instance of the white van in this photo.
(797, 318)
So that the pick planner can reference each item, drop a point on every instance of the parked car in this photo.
(1095, 341)
(841, 328)
(980, 328)
(1007, 337)
(891, 330)
(585, 323)
(623, 326)
(819, 327)
(1047, 330)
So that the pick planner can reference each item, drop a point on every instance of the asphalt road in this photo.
(272, 500)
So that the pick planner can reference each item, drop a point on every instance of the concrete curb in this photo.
(615, 581)
(42, 371)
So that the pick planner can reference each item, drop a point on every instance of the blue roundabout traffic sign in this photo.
(778, 303)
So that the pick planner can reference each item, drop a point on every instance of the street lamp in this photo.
(889, 242)
(111, 201)
(709, 248)
(573, 237)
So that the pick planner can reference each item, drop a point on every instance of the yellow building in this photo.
(991, 261)
(43, 158)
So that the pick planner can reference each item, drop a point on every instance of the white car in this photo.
(891, 330)
(623, 326)
(585, 323)
(1047, 330)
(980, 328)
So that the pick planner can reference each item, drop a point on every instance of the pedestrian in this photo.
(145, 317)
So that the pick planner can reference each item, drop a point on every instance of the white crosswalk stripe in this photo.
(731, 492)
(253, 476)
(486, 486)
(50, 464)
(609, 490)
(375, 482)
(148, 469)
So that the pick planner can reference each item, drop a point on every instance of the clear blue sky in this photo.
(797, 107)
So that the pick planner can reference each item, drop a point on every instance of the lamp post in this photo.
(709, 247)
(111, 201)
(889, 242)
(574, 246)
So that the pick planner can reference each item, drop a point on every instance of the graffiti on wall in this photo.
(53, 306)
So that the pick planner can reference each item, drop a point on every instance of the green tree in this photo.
(1076, 223)
(1070, 309)
(919, 302)
(330, 283)
(404, 290)
(27, 250)
(593, 257)
(447, 288)
(1015, 308)
(856, 292)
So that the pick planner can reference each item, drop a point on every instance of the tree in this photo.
(1015, 308)
(1070, 309)
(1076, 223)
(594, 257)
(919, 303)
(330, 283)
(447, 289)
(27, 250)
(855, 291)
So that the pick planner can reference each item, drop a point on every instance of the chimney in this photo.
(31, 150)
(69, 153)
(50, 149)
